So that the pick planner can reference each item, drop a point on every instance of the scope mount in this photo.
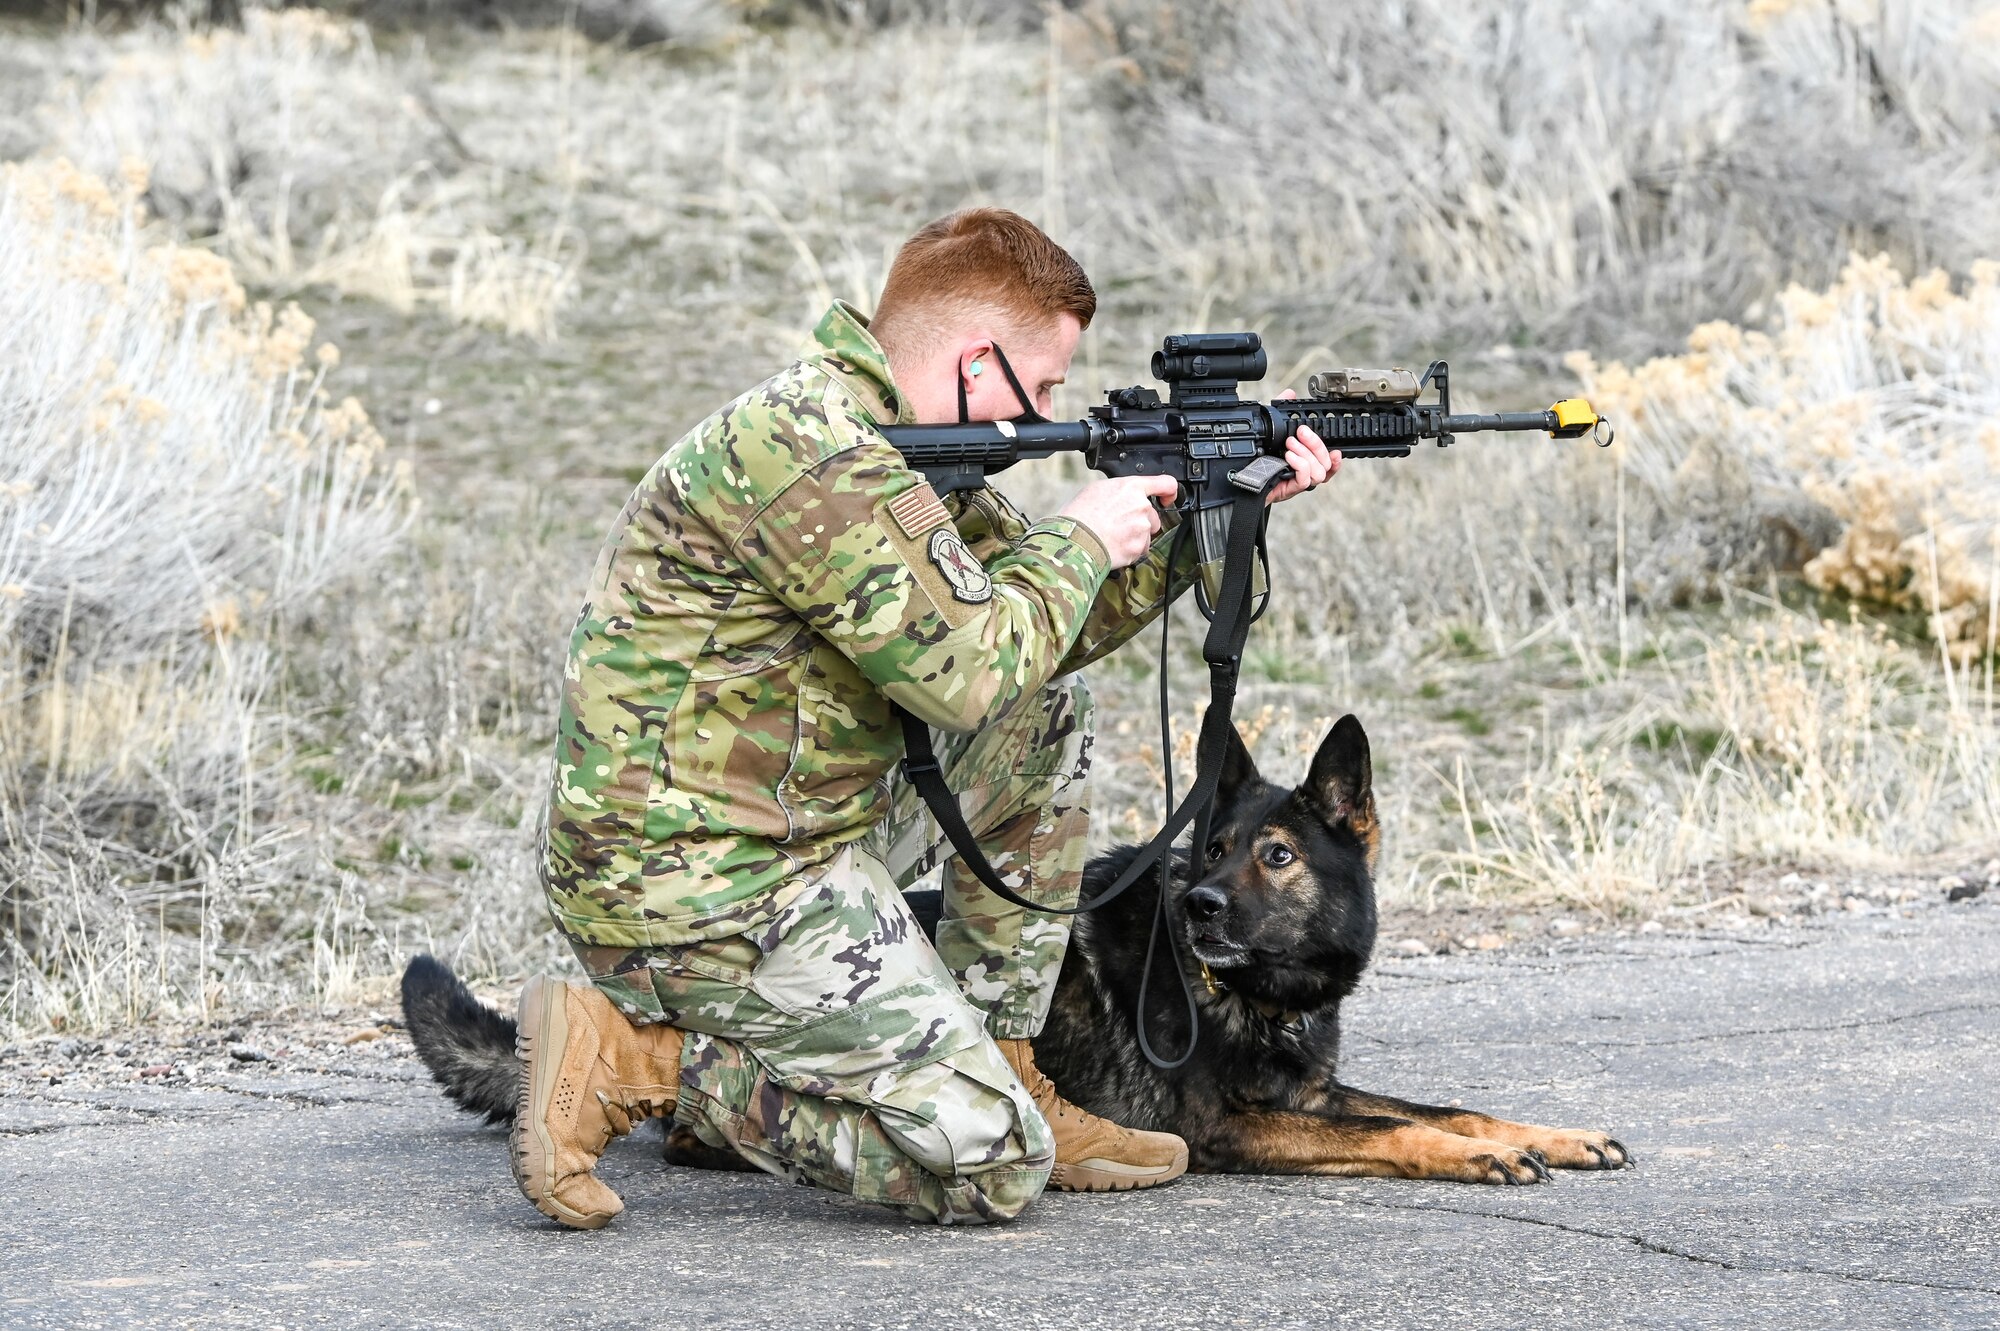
(1201, 368)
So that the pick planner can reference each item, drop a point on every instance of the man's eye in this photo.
(1279, 856)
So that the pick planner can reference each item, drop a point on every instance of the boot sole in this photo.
(1113, 1176)
(542, 1022)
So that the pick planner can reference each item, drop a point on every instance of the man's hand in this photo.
(1309, 460)
(1119, 512)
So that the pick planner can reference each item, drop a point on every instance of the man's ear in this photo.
(1338, 784)
(978, 353)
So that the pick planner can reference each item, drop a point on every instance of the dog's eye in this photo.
(1279, 856)
(1216, 851)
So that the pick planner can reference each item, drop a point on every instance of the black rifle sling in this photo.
(1222, 649)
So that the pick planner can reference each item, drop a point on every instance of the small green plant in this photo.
(1473, 723)
(1286, 667)
(1671, 737)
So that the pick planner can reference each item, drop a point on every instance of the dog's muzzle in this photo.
(1206, 902)
(1207, 909)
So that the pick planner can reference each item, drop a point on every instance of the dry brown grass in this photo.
(311, 161)
(1590, 678)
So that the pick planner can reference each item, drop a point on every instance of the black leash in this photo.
(1167, 881)
(1222, 649)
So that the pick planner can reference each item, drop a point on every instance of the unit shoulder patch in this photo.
(966, 576)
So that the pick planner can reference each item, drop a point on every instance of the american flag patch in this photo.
(918, 510)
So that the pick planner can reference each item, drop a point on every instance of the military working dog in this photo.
(1277, 931)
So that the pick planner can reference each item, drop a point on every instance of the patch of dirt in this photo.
(353, 1042)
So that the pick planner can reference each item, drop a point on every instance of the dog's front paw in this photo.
(1497, 1162)
(1573, 1148)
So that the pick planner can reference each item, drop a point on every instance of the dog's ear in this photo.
(1337, 786)
(1239, 769)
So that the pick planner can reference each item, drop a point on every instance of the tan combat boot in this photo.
(1094, 1154)
(587, 1075)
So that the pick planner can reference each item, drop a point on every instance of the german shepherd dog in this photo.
(1278, 931)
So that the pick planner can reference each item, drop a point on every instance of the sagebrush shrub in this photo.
(172, 460)
(177, 483)
(1878, 400)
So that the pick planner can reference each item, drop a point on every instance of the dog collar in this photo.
(1269, 1011)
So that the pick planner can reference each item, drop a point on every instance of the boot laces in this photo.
(1048, 1099)
(625, 1112)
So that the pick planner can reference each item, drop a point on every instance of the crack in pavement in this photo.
(309, 1099)
(139, 1115)
(1590, 1046)
(1419, 1046)
(111, 1107)
(39, 1129)
(1889, 1020)
(405, 1056)
(1611, 953)
(1495, 968)
(1645, 1244)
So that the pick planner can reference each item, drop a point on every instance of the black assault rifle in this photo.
(1227, 455)
(1216, 444)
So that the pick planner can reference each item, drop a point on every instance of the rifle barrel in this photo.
(1501, 420)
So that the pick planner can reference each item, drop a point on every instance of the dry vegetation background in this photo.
(330, 344)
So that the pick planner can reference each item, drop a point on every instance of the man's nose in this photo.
(1206, 902)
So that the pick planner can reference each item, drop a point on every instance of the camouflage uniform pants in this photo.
(834, 1045)
(1021, 789)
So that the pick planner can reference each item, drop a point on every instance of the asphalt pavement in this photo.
(1813, 1110)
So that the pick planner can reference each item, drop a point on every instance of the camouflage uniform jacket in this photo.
(779, 577)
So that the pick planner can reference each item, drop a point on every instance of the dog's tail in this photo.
(468, 1046)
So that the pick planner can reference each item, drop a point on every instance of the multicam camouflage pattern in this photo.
(725, 726)
(1021, 788)
(726, 743)
(831, 1046)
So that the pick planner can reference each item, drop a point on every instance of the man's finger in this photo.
(1311, 470)
(1315, 443)
(1285, 490)
(1301, 457)
(1160, 487)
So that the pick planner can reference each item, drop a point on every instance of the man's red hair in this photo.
(974, 261)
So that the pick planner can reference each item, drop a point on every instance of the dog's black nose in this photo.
(1206, 902)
